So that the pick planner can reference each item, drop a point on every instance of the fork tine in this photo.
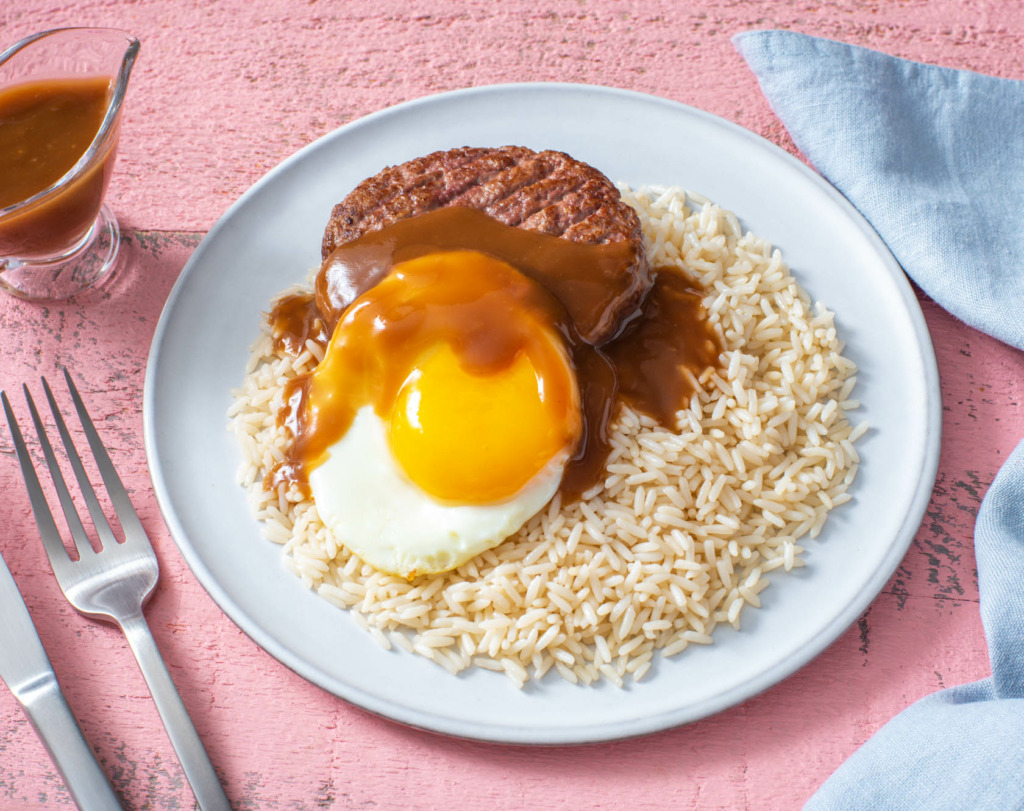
(130, 523)
(71, 515)
(55, 551)
(99, 520)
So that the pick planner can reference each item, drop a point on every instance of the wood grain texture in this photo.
(223, 91)
(226, 90)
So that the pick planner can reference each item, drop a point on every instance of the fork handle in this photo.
(180, 729)
(50, 715)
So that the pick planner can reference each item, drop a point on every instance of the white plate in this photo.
(271, 236)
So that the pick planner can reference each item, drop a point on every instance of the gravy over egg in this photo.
(457, 393)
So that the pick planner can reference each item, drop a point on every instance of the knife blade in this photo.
(26, 670)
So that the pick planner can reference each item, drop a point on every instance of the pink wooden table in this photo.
(225, 90)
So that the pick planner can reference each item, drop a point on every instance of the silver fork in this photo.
(113, 584)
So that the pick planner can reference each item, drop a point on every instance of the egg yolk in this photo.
(461, 357)
(469, 438)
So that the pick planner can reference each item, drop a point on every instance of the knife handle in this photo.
(50, 715)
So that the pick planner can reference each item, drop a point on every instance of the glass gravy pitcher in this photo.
(61, 96)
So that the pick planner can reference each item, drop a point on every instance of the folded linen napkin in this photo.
(934, 159)
(963, 747)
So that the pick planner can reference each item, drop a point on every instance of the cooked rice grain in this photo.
(683, 531)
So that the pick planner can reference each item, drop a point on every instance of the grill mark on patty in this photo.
(413, 188)
(395, 188)
(513, 180)
(574, 207)
(547, 192)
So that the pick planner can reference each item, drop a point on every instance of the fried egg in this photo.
(443, 414)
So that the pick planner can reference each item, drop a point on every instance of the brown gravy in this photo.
(653, 364)
(294, 321)
(591, 281)
(45, 127)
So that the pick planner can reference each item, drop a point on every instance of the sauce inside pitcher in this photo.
(61, 97)
(46, 127)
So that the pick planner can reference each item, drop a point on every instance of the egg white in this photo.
(369, 504)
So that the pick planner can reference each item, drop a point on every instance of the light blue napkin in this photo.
(934, 158)
(963, 747)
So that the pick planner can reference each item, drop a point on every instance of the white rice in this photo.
(683, 531)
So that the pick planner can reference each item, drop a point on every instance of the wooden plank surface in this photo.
(222, 93)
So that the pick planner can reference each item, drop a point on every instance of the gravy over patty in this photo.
(660, 349)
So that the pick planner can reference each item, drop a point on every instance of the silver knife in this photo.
(26, 669)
